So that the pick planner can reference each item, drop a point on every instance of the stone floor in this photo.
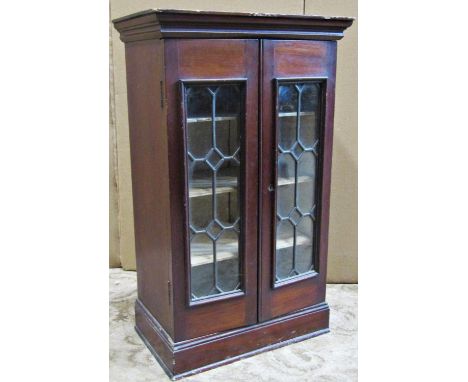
(328, 358)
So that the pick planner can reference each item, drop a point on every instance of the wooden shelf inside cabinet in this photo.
(292, 180)
(203, 187)
(294, 114)
(200, 257)
(284, 242)
(210, 119)
(229, 184)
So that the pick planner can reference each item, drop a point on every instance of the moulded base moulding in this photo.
(181, 359)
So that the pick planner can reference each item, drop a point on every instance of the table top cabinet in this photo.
(231, 128)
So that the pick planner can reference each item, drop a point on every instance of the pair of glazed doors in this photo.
(255, 154)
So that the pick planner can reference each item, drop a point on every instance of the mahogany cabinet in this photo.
(231, 125)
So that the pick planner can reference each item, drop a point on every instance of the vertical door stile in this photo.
(259, 175)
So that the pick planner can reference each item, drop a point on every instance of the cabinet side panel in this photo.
(150, 178)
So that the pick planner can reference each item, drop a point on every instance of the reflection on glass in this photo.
(298, 145)
(213, 122)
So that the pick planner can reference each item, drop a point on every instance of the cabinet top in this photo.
(166, 23)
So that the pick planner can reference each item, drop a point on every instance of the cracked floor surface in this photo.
(328, 358)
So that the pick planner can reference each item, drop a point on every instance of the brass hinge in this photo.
(161, 87)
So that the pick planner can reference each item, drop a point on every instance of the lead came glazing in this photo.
(298, 145)
(213, 158)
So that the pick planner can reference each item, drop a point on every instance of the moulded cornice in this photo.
(163, 23)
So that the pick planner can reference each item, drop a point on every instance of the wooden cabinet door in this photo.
(297, 87)
(212, 97)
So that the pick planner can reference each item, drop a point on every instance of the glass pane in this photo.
(201, 248)
(285, 193)
(304, 241)
(199, 139)
(199, 101)
(213, 160)
(227, 209)
(227, 250)
(200, 183)
(287, 99)
(306, 182)
(309, 114)
(284, 252)
(298, 144)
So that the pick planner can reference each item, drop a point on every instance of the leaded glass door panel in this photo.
(298, 131)
(214, 122)
(296, 134)
(215, 82)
